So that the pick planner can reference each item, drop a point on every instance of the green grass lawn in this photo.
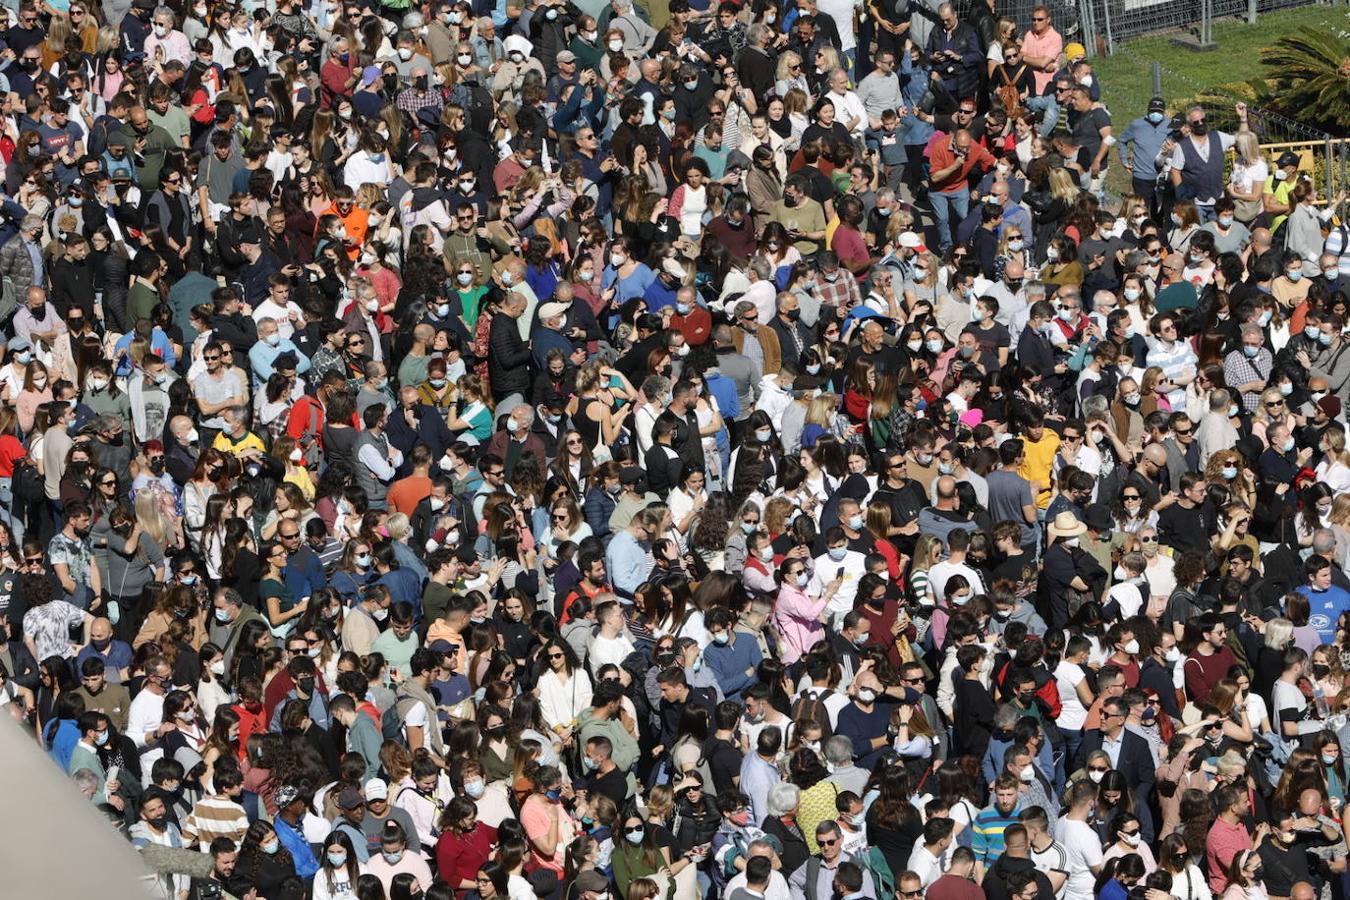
(1127, 83)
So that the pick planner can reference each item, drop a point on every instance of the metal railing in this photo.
(1115, 21)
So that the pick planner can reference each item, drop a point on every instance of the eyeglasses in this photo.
(1148, 540)
(294, 536)
(827, 843)
(1129, 496)
(494, 474)
(212, 357)
(1274, 404)
(556, 656)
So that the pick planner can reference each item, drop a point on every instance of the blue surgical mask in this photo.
(1249, 351)
(838, 553)
(554, 795)
(1155, 117)
(813, 368)
(722, 637)
(855, 522)
(337, 860)
(763, 435)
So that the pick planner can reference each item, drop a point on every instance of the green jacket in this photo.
(84, 758)
(626, 751)
(364, 738)
(631, 862)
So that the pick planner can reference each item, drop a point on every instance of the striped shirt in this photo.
(987, 832)
(214, 817)
(1174, 362)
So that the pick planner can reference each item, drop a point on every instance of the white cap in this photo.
(552, 311)
(376, 789)
(909, 240)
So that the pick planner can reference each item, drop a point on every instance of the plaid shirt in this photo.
(410, 100)
(841, 293)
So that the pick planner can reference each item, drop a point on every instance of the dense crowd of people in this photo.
(574, 450)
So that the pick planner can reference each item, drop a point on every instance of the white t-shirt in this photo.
(609, 650)
(1083, 852)
(1129, 596)
(1052, 859)
(1072, 712)
(842, 13)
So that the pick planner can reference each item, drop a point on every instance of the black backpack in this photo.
(812, 707)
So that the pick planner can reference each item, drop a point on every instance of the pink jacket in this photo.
(797, 616)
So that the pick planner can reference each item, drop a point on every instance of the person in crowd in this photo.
(577, 452)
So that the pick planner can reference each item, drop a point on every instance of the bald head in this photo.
(946, 488)
(1155, 454)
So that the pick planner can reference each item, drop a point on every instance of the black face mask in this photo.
(1199, 129)
(496, 733)
(390, 83)
(305, 684)
(158, 822)
(1321, 670)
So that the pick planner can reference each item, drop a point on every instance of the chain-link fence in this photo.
(1114, 21)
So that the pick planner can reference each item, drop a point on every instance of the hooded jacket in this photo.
(626, 752)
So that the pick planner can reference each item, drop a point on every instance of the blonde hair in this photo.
(1248, 147)
(785, 64)
(923, 553)
(1062, 186)
(818, 413)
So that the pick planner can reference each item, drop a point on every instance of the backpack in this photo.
(813, 708)
(873, 861)
(1008, 94)
(28, 484)
(391, 723)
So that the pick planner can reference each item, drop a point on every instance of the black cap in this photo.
(1157, 104)
(632, 475)
(1287, 158)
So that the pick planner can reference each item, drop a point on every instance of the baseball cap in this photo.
(1157, 104)
(350, 798)
(909, 240)
(376, 789)
(566, 56)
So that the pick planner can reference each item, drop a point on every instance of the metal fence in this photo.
(1325, 155)
(1119, 20)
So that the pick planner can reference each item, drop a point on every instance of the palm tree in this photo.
(1310, 77)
